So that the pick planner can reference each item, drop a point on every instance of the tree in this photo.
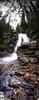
(4, 28)
(18, 28)
(29, 7)
(23, 23)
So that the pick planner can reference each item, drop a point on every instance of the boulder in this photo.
(3, 97)
(21, 95)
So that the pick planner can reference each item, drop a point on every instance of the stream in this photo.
(12, 83)
(22, 38)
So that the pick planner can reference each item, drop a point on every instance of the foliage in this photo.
(18, 28)
(23, 24)
(5, 30)
(29, 7)
(4, 27)
(33, 28)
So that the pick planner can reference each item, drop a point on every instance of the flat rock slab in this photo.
(3, 67)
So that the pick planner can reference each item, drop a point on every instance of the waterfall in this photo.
(22, 38)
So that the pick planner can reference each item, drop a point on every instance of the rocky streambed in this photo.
(21, 80)
(14, 86)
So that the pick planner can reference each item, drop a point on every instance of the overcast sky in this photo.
(15, 19)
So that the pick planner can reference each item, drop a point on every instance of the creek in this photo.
(22, 38)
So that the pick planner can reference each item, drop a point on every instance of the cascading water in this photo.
(22, 38)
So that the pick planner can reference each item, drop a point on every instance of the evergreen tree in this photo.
(28, 8)
(23, 23)
(18, 28)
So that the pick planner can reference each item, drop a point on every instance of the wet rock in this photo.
(3, 97)
(4, 53)
(12, 73)
(17, 73)
(37, 54)
(38, 79)
(34, 78)
(21, 95)
(12, 40)
(5, 86)
(1, 94)
(33, 60)
(29, 53)
(5, 81)
(27, 76)
(9, 93)
(38, 93)
(34, 68)
(14, 81)
(23, 59)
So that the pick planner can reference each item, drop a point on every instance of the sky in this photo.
(15, 19)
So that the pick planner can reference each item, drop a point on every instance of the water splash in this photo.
(8, 59)
(22, 38)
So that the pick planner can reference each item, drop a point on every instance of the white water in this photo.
(22, 38)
